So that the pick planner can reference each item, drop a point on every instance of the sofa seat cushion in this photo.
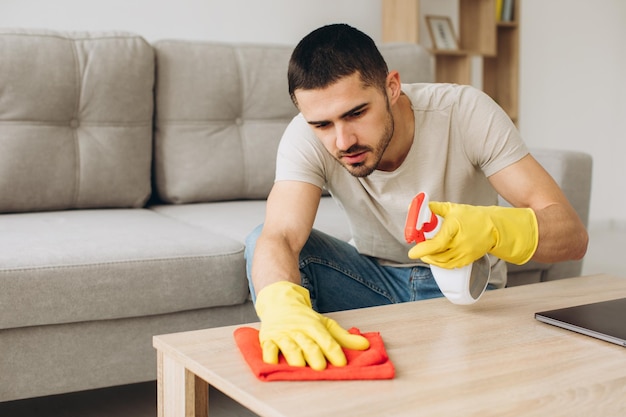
(71, 266)
(75, 120)
(236, 219)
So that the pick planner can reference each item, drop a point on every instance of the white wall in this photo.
(573, 89)
(573, 59)
(275, 21)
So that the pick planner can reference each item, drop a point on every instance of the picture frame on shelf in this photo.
(442, 33)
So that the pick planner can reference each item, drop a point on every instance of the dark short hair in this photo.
(332, 52)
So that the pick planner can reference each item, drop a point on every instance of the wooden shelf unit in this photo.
(480, 34)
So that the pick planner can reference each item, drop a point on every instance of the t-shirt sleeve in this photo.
(300, 156)
(493, 142)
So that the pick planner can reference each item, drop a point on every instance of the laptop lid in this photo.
(604, 320)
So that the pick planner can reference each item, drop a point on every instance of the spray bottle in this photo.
(462, 285)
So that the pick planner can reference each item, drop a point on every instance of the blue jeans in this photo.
(340, 278)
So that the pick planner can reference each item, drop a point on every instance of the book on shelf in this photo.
(507, 10)
(499, 9)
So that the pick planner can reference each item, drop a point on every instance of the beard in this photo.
(363, 169)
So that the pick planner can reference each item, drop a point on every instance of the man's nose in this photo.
(345, 136)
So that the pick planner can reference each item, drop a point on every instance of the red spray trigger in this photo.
(420, 220)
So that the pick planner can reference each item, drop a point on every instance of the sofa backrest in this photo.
(75, 120)
(221, 110)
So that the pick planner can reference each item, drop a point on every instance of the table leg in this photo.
(180, 393)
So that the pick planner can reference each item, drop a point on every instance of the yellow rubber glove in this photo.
(469, 232)
(290, 325)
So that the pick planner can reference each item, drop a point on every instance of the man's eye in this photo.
(357, 114)
(322, 125)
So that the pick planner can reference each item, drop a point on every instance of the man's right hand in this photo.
(290, 325)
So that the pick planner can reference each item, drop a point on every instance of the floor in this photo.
(139, 400)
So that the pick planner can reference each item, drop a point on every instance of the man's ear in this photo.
(393, 86)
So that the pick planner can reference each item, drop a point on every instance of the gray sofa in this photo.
(130, 174)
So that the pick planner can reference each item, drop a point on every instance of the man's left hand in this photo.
(469, 232)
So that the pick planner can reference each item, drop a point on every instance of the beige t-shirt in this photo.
(461, 137)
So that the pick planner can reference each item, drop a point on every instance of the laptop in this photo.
(604, 320)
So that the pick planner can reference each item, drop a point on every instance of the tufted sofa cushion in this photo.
(220, 112)
(75, 120)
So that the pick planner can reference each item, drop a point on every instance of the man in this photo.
(374, 143)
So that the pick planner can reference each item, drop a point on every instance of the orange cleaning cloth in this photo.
(372, 363)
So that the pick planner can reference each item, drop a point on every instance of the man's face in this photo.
(353, 121)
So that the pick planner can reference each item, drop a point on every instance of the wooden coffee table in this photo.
(490, 358)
